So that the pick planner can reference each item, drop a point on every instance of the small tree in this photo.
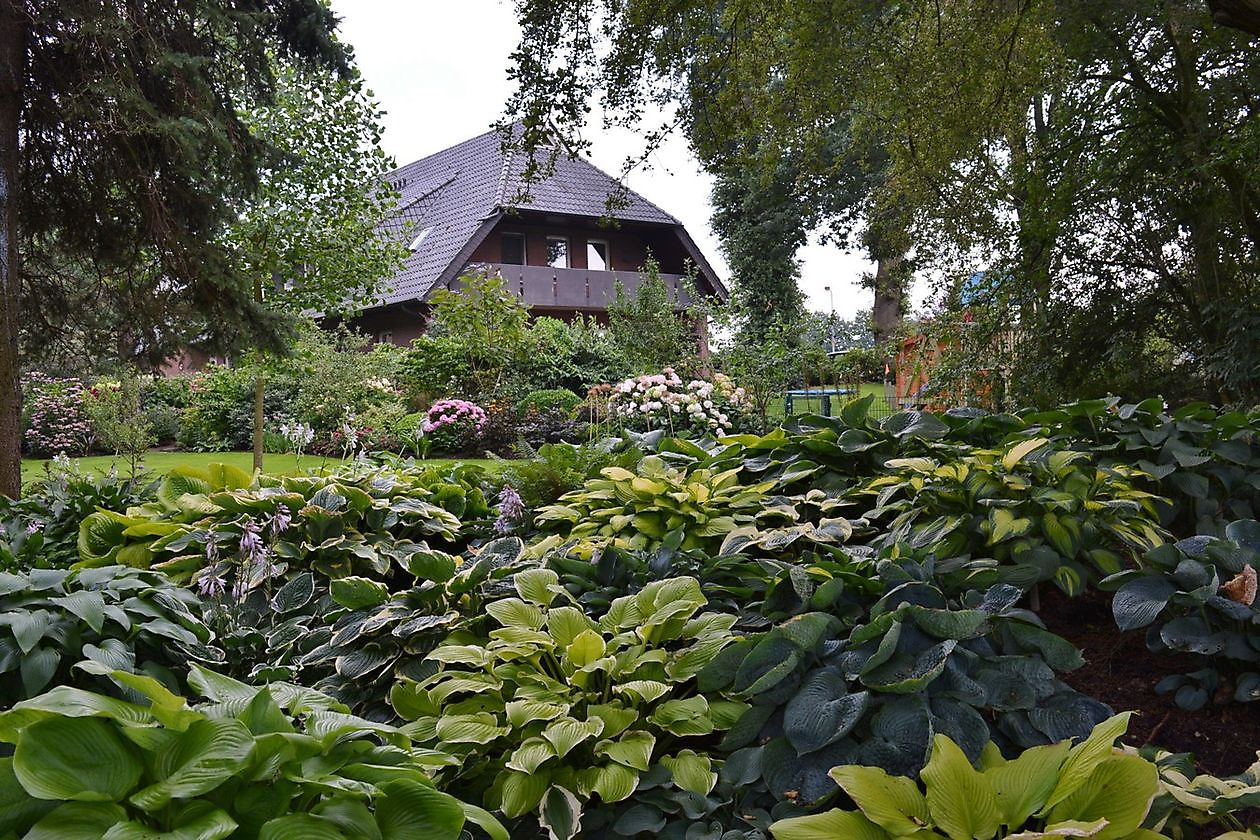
(652, 328)
(118, 419)
(490, 324)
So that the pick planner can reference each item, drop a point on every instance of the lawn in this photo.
(160, 461)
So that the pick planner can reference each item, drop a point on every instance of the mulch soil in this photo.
(1121, 672)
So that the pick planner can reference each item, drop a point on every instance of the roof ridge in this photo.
(444, 151)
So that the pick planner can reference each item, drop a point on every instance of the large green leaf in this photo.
(81, 759)
(1140, 601)
(1022, 785)
(207, 754)
(1120, 790)
(77, 821)
(409, 810)
(522, 792)
(199, 820)
(633, 749)
(822, 711)
(960, 798)
(356, 593)
(1085, 757)
(829, 825)
(561, 814)
(691, 771)
(893, 802)
(300, 827)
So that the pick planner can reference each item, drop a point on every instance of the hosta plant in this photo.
(1020, 515)
(656, 506)
(1191, 804)
(271, 762)
(550, 709)
(1198, 598)
(129, 619)
(1091, 790)
(822, 694)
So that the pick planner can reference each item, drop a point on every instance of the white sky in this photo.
(439, 69)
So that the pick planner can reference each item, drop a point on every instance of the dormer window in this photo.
(597, 255)
(557, 252)
(420, 237)
(513, 249)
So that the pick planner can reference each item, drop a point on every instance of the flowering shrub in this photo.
(57, 422)
(662, 401)
(454, 425)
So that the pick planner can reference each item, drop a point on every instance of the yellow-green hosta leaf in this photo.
(616, 718)
(617, 474)
(565, 623)
(1085, 756)
(634, 749)
(830, 825)
(684, 717)
(614, 782)
(538, 586)
(1022, 785)
(566, 733)
(1120, 790)
(522, 712)
(1022, 450)
(355, 593)
(1006, 525)
(531, 755)
(1071, 828)
(513, 612)
(645, 690)
(480, 728)
(691, 771)
(474, 655)
(587, 647)
(521, 792)
(959, 797)
(892, 802)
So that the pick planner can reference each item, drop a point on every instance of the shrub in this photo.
(119, 420)
(1198, 599)
(554, 401)
(574, 355)
(662, 401)
(552, 708)
(220, 411)
(454, 426)
(56, 418)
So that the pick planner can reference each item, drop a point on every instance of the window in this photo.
(597, 255)
(513, 249)
(420, 237)
(557, 252)
(386, 337)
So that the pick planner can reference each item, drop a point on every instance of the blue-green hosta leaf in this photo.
(1140, 601)
(633, 749)
(1059, 653)
(530, 755)
(204, 756)
(83, 759)
(960, 798)
(822, 711)
(295, 594)
(38, 668)
(892, 802)
(77, 821)
(523, 791)
(409, 810)
(480, 728)
(366, 661)
(28, 627)
(829, 825)
(770, 661)
(905, 674)
(88, 606)
(356, 593)
(691, 771)
(566, 733)
(949, 624)
(1191, 634)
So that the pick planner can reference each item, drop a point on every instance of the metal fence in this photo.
(827, 402)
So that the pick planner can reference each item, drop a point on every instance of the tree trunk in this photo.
(260, 391)
(12, 77)
(1238, 14)
(889, 294)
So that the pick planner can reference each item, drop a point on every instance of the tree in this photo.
(121, 146)
(314, 237)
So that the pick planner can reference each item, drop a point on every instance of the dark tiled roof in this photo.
(459, 190)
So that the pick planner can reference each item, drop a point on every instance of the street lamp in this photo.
(831, 327)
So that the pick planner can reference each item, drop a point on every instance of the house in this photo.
(553, 241)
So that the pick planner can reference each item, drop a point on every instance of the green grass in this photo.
(161, 462)
(813, 405)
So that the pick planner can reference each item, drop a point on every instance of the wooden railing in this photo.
(545, 287)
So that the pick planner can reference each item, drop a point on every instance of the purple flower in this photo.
(511, 509)
(34, 526)
(280, 520)
(212, 585)
(252, 548)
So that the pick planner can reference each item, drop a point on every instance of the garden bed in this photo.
(1120, 671)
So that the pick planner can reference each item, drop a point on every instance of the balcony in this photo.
(544, 287)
